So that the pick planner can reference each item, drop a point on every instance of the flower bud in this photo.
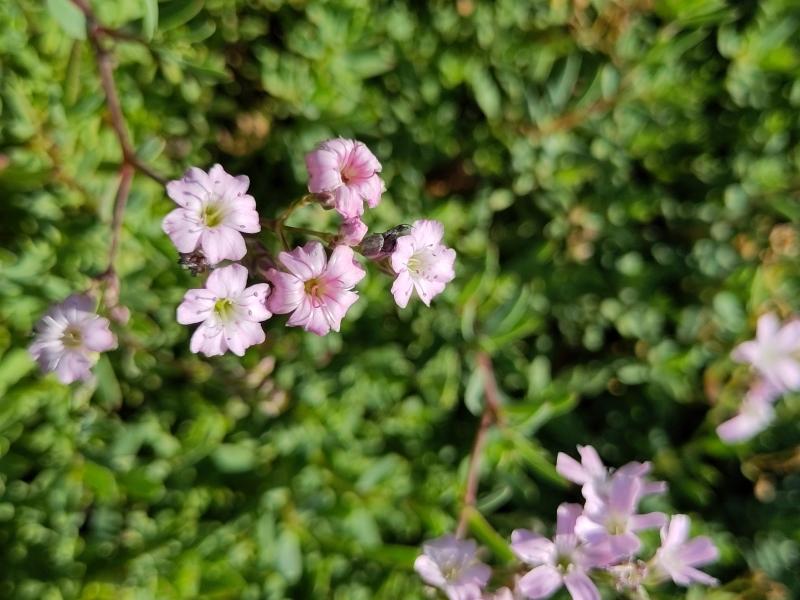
(195, 262)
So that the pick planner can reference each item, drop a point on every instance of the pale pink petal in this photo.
(208, 340)
(287, 292)
(97, 336)
(532, 548)
(222, 243)
(73, 366)
(647, 521)
(624, 494)
(787, 372)
(347, 202)
(699, 551)
(676, 532)
(183, 232)
(196, 306)
(352, 231)
(324, 170)
(570, 469)
(567, 514)
(591, 461)
(427, 232)
(580, 587)
(253, 301)
(343, 268)
(402, 288)
(241, 335)
(540, 582)
(403, 251)
(429, 571)
(767, 327)
(227, 282)
(746, 352)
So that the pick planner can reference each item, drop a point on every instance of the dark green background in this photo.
(619, 179)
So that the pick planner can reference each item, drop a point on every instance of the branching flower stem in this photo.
(491, 415)
(131, 163)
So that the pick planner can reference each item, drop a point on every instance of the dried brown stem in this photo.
(491, 414)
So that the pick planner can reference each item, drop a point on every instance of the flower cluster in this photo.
(600, 536)
(775, 357)
(312, 284)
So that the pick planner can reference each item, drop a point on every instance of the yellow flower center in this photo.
(212, 214)
(223, 307)
(72, 337)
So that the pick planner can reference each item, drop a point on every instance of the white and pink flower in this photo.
(317, 291)
(756, 412)
(774, 353)
(422, 263)
(214, 210)
(564, 561)
(678, 558)
(348, 171)
(69, 338)
(451, 565)
(229, 313)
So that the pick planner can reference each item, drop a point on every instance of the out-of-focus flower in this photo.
(501, 594)
(229, 313)
(615, 521)
(422, 263)
(596, 478)
(677, 557)
(775, 353)
(564, 561)
(315, 289)
(213, 211)
(755, 414)
(69, 337)
(352, 231)
(450, 564)
(348, 170)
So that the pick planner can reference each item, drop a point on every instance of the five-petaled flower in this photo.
(564, 561)
(213, 211)
(450, 564)
(347, 170)
(755, 414)
(315, 289)
(422, 263)
(774, 353)
(69, 337)
(678, 558)
(229, 313)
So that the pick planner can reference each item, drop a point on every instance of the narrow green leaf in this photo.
(69, 17)
(150, 20)
(484, 532)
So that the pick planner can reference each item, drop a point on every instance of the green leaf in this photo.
(13, 367)
(177, 12)
(150, 20)
(483, 531)
(289, 556)
(69, 17)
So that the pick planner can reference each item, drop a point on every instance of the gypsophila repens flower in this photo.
(422, 263)
(214, 210)
(229, 313)
(452, 566)
(679, 556)
(69, 338)
(316, 290)
(774, 353)
(348, 170)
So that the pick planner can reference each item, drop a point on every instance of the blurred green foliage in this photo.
(619, 178)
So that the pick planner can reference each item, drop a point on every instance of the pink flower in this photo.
(230, 314)
(349, 171)
(614, 521)
(755, 414)
(678, 558)
(352, 231)
(317, 291)
(561, 562)
(422, 263)
(501, 594)
(450, 564)
(69, 337)
(213, 211)
(596, 478)
(775, 353)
